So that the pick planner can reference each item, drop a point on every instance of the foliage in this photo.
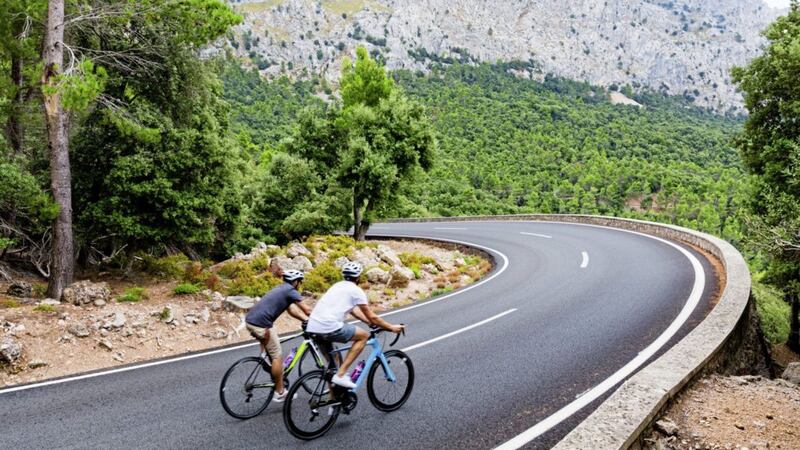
(166, 267)
(252, 285)
(319, 279)
(133, 295)
(773, 311)
(9, 303)
(186, 289)
(44, 308)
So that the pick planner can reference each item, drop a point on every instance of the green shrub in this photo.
(260, 263)
(165, 313)
(233, 269)
(444, 290)
(133, 295)
(39, 290)
(193, 272)
(44, 308)
(186, 289)
(472, 260)
(251, 285)
(415, 259)
(319, 279)
(9, 303)
(170, 267)
(774, 312)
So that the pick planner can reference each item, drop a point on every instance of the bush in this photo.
(251, 285)
(415, 259)
(213, 282)
(321, 278)
(9, 303)
(193, 272)
(774, 312)
(133, 295)
(260, 263)
(234, 269)
(44, 308)
(39, 290)
(170, 267)
(186, 289)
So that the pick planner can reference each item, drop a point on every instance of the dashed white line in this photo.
(537, 235)
(461, 330)
(585, 260)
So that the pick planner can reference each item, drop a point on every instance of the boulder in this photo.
(792, 373)
(240, 303)
(388, 256)
(20, 289)
(400, 276)
(296, 250)
(85, 292)
(281, 263)
(377, 275)
(106, 344)
(78, 329)
(115, 320)
(302, 263)
(366, 257)
(341, 261)
(430, 268)
(667, 427)
(10, 349)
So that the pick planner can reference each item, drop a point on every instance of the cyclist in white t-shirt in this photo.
(327, 318)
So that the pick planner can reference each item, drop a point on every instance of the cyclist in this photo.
(260, 321)
(327, 318)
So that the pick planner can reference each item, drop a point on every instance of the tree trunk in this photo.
(360, 224)
(14, 128)
(63, 258)
(794, 333)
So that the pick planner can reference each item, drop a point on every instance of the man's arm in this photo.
(373, 319)
(302, 314)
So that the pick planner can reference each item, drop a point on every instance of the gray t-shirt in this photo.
(272, 305)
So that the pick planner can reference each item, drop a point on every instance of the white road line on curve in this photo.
(618, 376)
(537, 235)
(284, 339)
(585, 260)
(460, 330)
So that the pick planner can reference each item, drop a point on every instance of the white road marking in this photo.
(461, 330)
(585, 260)
(537, 235)
(448, 228)
(253, 344)
(618, 376)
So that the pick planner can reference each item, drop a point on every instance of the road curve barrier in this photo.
(723, 341)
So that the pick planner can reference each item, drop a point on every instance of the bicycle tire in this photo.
(400, 393)
(235, 395)
(298, 403)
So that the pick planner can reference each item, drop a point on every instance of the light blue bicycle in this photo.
(311, 411)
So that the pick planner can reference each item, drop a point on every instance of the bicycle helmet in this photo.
(292, 275)
(352, 270)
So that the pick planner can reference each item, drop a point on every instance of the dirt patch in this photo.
(64, 339)
(732, 413)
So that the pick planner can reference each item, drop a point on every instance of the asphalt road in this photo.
(580, 303)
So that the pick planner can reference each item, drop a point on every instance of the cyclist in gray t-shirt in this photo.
(260, 321)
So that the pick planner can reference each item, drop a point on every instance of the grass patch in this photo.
(388, 292)
(440, 291)
(165, 313)
(39, 290)
(186, 289)
(774, 312)
(133, 295)
(44, 308)
(9, 303)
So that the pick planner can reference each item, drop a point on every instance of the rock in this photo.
(281, 263)
(126, 332)
(166, 314)
(99, 302)
(366, 257)
(36, 363)
(218, 333)
(64, 339)
(119, 357)
(341, 261)
(115, 320)
(459, 262)
(240, 303)
(191, 318)
(377, 275)
(239, 256)
(20, 289)
(10, 349)
(216, 305)
(400, 276)
(78, 329)
(50, 302)
(296, 250)
(302, 263)
(106, 344)
(85, 292)
(205, 314)
(792, 373)
(667, 426)
(388, 256)
(739, 426)
(104, 332)
(430, 268)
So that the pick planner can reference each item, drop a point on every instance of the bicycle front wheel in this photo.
(385, 394)
(246, 388)
(307, 413)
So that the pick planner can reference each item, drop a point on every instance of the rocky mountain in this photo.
(679, 47)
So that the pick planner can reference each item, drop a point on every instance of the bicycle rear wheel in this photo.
(305, 412)
(387, 395)
(247, 387)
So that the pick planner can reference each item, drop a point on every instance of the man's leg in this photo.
(272, 344)
(359, 341)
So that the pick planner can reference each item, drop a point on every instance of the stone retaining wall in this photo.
(621, 419)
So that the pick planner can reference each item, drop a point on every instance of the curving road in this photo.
(567, 307)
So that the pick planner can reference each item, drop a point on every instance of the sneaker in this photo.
(343, 382)
(279, 397)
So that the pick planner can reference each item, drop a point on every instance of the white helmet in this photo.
(352, 270)
(292, 275)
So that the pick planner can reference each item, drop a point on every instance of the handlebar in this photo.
(374, 331)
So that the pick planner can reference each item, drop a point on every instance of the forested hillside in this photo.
(508, 145)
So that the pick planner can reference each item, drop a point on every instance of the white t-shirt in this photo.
(329, 313)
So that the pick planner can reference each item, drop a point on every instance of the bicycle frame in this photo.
(306, 345)
(376, 354)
